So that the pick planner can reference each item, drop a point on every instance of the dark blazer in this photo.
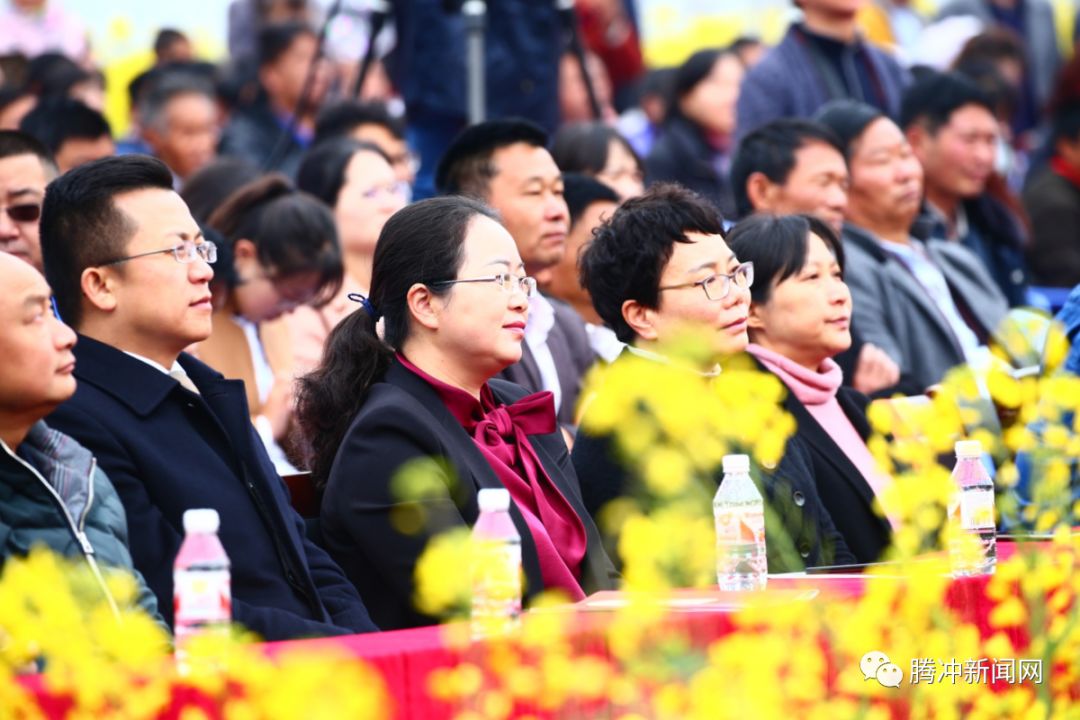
(1053, 204)
(996, 235)
(681, 155)
(168, 450)
(404, 420)
(844, 492)
(523, 41)
(573, 356)
(795, 514)
(253, 133)
(788, 83)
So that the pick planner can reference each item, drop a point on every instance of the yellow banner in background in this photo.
(674, 29)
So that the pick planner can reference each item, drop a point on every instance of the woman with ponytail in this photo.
(450, 287)
(278, 249)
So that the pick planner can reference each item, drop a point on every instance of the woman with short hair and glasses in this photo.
(660, 266)
(451, 288)
(279, 251)
(800, 318)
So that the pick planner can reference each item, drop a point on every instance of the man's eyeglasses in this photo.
(718, 286)
(507, 281)
(186, 252)
(25, 213)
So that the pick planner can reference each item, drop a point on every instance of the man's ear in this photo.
(424, 306)
(919, 138)
(152, 137)
(754, 320)
(761, 191)
(99, 287)
(641, 319)
(268, 78)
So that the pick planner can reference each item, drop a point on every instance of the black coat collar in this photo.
(138, 385)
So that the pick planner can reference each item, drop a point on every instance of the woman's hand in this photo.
(278, 407)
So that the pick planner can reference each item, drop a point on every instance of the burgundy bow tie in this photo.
(499, 429)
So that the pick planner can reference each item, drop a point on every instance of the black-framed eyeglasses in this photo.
(186, 252)
(507, 281)
(24, 212)
(718, 286)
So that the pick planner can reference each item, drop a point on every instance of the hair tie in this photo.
(366, 304)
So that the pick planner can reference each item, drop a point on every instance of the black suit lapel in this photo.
(133, 382)
(465, 450)
(227, 400)
(854, 405)
(821, 444)
(558, 343)
(596, 569)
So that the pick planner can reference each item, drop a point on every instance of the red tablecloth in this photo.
(406, 658)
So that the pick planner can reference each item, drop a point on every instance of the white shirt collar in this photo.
(604, 342)
(541, 320)
(156, 365)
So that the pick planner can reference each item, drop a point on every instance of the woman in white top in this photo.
(278, 251)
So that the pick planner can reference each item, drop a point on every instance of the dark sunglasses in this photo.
(30, 212)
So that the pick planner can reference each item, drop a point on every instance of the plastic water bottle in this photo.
(496, 566)
(973, 538)
(740, 529)
(202, 596)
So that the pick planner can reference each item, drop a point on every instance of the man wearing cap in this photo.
(929, 305)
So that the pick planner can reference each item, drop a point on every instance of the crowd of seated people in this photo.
(252, 281)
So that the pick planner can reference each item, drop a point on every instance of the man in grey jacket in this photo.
(930, 306)
(51, 491)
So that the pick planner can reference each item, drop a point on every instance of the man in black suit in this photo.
(130, 272)
(506, 164)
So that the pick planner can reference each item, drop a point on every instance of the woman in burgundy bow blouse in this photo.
(450, 286)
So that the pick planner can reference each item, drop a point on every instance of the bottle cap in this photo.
(201, 521)
(736, 464)
(493, 499)
(968, 449)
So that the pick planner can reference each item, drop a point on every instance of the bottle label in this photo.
(202, 596)
(735, 526)
(496, 575)
(977, 510)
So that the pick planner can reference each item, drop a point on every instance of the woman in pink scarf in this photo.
(800, 317)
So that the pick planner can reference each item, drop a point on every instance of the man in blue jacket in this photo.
(52, 493)
(130, 272)
(820, 59)
(522, 44)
